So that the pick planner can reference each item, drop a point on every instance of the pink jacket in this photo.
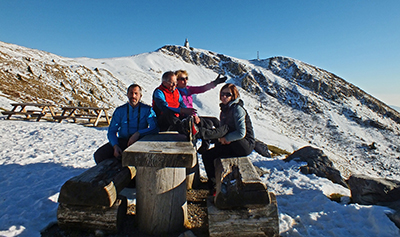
(187, 92)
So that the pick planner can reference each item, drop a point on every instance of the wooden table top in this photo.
(84, 108)
(31, 104)
(160, 150)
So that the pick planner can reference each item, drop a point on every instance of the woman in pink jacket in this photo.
(208, 123)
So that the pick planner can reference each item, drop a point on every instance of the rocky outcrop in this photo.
(262, 149)
(372, 191)
(317, 163)
(324, 83)
(376, 191)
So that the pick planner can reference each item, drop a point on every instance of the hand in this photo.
(220, 79)
(117, 151)
(223, 141)
(188, 111)
(133, 138)
(196, 119)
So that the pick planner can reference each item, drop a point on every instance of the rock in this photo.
(317, 163)
(374, 191)
(395, 218)
(262, 148)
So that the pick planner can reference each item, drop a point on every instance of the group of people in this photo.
(172, 110)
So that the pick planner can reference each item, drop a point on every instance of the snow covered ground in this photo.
(36, 158)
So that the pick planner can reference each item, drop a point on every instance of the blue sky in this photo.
(356, 40)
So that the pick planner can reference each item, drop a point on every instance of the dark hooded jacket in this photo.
(236, 117)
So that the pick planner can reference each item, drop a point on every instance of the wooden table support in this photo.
(161, 161)
(44, 109)
(91, 113)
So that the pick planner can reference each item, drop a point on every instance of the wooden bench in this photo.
(91, 201)
(238, 184)
(108, 219)
(92, 114)
(161, 161)
(242, 205)
(44, 110)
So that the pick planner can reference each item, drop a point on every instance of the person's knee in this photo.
(98, 157)
(104, 152)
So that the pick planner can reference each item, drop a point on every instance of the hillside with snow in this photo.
(285, 97)
(292, 104)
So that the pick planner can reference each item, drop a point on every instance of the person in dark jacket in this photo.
(129, 122)
(239, 141)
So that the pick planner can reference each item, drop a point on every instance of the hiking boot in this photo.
(211, 186)
(184, 127)
(189, 128)
(204, 146)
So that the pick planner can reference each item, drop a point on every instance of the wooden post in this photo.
(161, 205)
(193, 174)
(161, 161)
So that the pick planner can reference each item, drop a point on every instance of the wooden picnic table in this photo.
(161, 161)
(93, 114)
(40, 111)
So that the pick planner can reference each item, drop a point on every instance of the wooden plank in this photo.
(108, 219)
(35, 111)
(238, 184)
(31, 104)
(193, 175)
(8, 112)
(27, 114)
(97, 118)
(85, 115)
(160, 150)
(84, 108)
(58, 117)
(252, 221)
(98, 186)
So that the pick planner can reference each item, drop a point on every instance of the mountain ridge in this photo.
(291, 71)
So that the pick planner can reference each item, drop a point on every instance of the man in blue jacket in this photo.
(129, 122)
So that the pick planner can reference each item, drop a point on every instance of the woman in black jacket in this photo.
(239, 141)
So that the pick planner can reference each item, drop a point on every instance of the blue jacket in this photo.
(146, 124)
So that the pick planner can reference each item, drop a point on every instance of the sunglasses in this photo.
(183, 78)
(227, 94)
(171, 83)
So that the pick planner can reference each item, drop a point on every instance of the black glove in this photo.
(220, 79)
